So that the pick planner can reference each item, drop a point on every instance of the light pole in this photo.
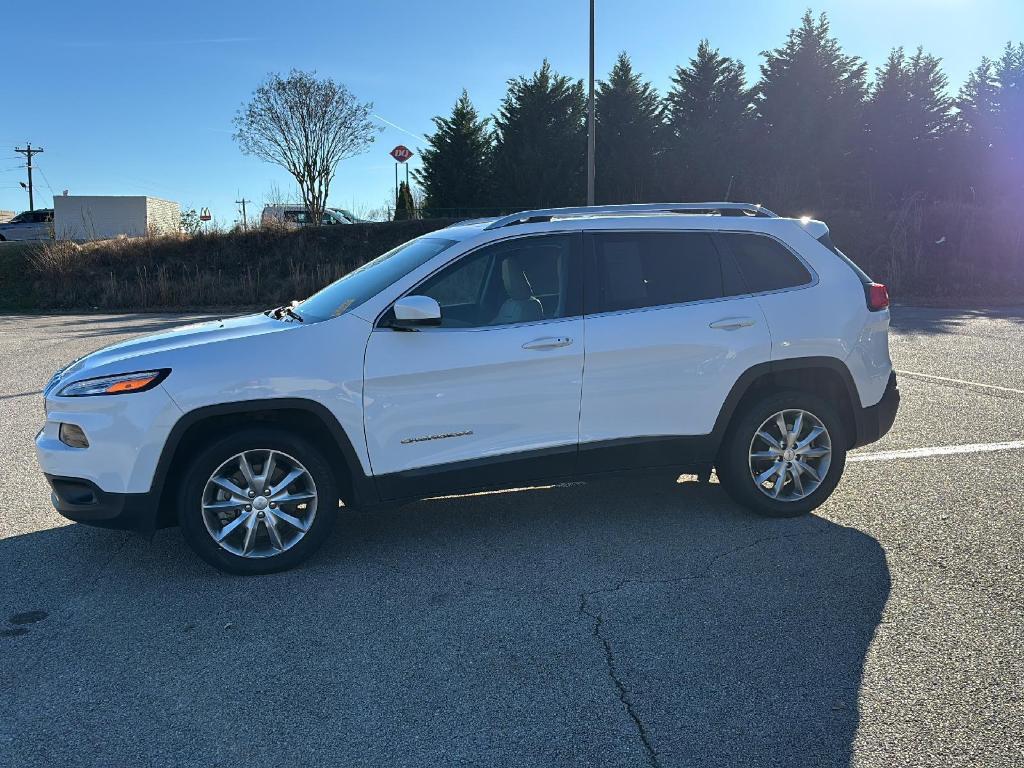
(590, 116)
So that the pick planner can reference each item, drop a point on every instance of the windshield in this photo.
(370, 279)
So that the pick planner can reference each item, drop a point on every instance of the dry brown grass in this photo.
(940, 251)
(258, 268)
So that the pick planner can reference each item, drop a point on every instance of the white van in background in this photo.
(295, 216)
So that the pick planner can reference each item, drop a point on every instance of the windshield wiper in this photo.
(287, 309)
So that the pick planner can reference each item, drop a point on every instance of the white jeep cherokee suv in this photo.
(539, 347)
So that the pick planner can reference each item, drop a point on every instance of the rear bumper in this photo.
(875, 421)
(84, 502)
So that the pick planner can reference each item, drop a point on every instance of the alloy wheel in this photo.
(789, 455)
(259, 503)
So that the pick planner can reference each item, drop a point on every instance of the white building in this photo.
(99, 217)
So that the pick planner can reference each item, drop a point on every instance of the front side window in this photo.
(370, 279)
(765, 263)
(523, 280)
(632, 270)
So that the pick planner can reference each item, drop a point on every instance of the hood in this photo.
(145, 352)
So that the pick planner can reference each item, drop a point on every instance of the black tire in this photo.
(733, 465)
(210, 458)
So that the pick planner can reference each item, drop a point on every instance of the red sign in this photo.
(401, 153)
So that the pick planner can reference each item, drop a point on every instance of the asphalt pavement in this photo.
(616, 623)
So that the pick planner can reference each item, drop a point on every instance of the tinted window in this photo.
(766, 264)
(649, 269)
(523, 280)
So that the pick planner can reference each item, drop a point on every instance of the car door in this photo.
(669, 330)
(491, 396)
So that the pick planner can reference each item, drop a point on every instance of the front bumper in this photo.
(875, 421)
(126, 435)
(84, 502)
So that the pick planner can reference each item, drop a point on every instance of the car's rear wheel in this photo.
(257, 501)
(784, 454)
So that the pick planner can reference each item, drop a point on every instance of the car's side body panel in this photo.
(665, 370)
(445, 395)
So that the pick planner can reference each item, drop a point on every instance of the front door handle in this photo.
(548, 342)
(732, 323)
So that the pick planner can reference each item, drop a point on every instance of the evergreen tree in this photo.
(708, 111)
(628, 124)
(989, 134)
(1009, 123)
(907, 120)
(540, 149)
(810, 109)
(456, 172)
(405, 208)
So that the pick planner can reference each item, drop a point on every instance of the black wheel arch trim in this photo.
(362, 487)
(752, 374)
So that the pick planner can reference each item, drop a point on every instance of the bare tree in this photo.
(307, 125)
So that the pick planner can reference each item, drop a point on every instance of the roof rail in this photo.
(713, 209)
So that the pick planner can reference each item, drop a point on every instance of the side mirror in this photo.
(414, 311)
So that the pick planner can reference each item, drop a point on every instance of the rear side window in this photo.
(648, 269)
(826, 240)
(766, 264)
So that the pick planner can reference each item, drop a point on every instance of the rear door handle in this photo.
(548, 342)
(732, 323)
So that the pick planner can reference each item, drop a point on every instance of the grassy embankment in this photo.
(941, 253)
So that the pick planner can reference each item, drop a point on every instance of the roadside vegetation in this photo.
(927, 252)
(233, 270)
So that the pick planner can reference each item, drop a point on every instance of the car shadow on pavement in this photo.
(939, 320)
(607, 624)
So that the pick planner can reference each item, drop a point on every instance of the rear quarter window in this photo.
(765, 263)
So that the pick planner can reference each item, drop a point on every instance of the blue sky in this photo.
(137, 98)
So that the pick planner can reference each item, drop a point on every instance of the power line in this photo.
(28, 152)
(46, 181)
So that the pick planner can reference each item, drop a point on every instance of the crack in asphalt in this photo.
(624, 694)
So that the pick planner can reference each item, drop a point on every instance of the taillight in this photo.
(878, 296)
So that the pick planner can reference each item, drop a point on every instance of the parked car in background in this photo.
(29, 225)
(715, 334)
(295, 216)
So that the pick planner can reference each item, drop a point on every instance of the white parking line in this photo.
(939, 450)
(932, 377)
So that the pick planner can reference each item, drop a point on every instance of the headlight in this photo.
(139, 381)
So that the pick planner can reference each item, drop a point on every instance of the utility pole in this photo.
(590, 116)
(245, 221)
(28, 152)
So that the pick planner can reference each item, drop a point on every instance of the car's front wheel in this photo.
(784, 454)
(257, 501)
